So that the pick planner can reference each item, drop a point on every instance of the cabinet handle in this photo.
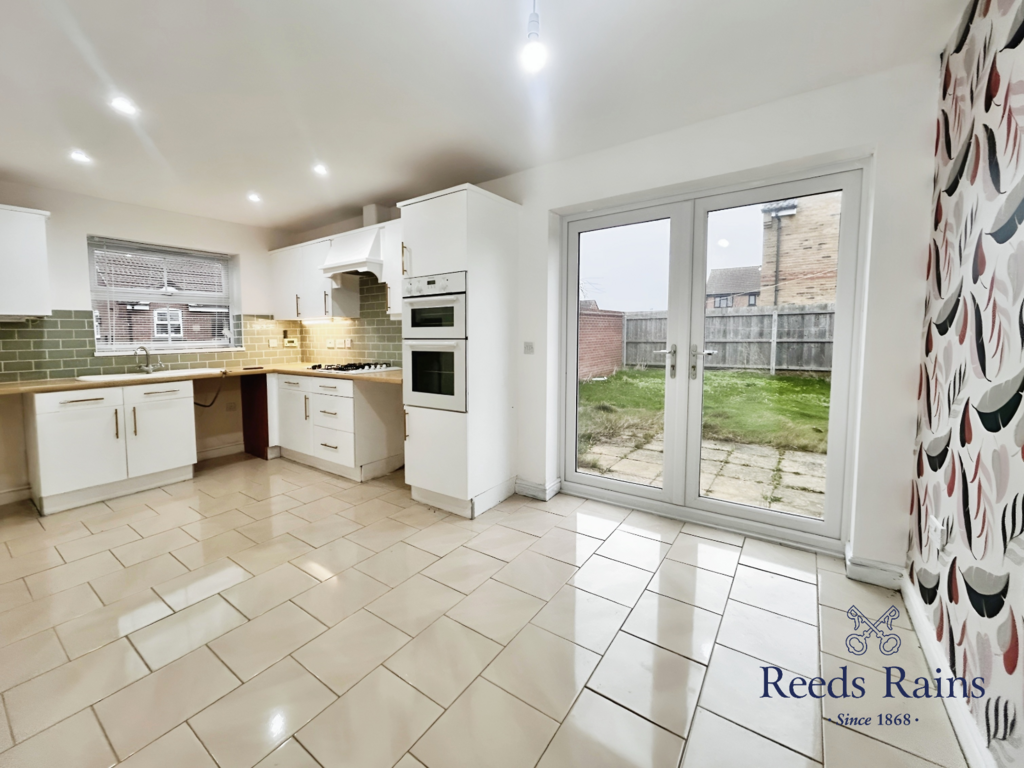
(83, 400)
(405, 423)
(332, 447)
(403, 258)
(305, 401)
(297, 313)
(293, 383)
(387, 289)
(162, 392)
(325, 302)
(117, 426)
(324, 386)
(330, 413)
(135, 422)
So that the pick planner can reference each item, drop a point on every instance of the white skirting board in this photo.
(873, 571)
(63, 501)
(15, 495)
(357, 474)
(466, 508)
(221, 450)
(971, 739)
(537, 491)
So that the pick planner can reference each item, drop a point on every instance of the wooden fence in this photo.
(791, 337)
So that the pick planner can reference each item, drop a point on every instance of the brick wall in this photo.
(809, 246)
(600, 343)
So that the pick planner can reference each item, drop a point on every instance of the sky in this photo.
(627, 268)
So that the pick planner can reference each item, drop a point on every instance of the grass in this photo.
(788, 412)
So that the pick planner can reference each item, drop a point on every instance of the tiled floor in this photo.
(265, 614)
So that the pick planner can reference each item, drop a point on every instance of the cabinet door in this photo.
(391, 255)
(293, 422)
(81, 449)
(285, 272)
(161, 436)
(436, 451)
(25, 288)
(435, 232)
(315, 291)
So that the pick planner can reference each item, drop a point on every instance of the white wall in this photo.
(74, 217)
(891, 115)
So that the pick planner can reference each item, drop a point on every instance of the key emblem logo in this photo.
(864, 629)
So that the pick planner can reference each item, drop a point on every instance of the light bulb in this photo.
(124, 105)
(254, 197)
(320, 169)
(723, 243)
(534, 56)
(80, 157)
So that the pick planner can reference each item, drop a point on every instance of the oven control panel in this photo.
(434, 285)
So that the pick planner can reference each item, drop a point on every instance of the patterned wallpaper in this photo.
(967, 506)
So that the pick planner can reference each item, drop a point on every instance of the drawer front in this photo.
(158, 390)
(340, 387)
(289, 383)
(77, 400)
(334, 446)
(333, 412)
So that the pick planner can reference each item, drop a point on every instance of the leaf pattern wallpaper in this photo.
(967, 500)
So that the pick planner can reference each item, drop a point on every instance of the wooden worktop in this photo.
(65, 385)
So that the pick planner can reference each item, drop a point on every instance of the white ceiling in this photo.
(397, 97)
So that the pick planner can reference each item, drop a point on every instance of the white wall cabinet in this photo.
(25, 287)
(391, 255)
(301, 292)
(436, 234)
(286, 274)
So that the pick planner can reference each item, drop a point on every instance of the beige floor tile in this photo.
(70, 688)
(78, 515)
(836, 626)
(272, 527)
(396, 564)
(191, 588)
(502, 543)
(443, 659)
(321, 508)
(360, 494)
(146, 549)
(837, 591)
(382, 534)
(313, 492)
(264, 641)
(829, 563)
(845, 748)
(515, 501)
(705, 553)
(369, 512)
(408, 761)
(464, 569)
(486, 726)
(173, 637)
(111, 520)
(13, 594)
(675, 626)
(496, 611)
(696, 586)
(536, 574)
(289, 755)
(561, 504)
(596, 522)
(794, 723)
(567, 546)
(544, 670)
(149, 708)
(270, 554)
(651, 526)
(272, 506)
(268, 590)
(202, 553)
(340, 596)
(47, 612)
(656, 684)
(177, 749)
(71, 575)
(440, 539)
(778, 594)
(137, 578)
(418, 515)
(785, 561)
(612, 580)
(930, 736)
(77, 741)
(372, 725)
(770, 637)
(531, 521)
(208, 506)
(638, 551)
(42, 539)
(208, 527)
(26, 565)
(30, 657)
(714, 534)
(253, 720)
(325, 530)
(166, 520)
(480, 523)
(156, 495)
(585, 619)
(717, 743)
(415, 604)
(345, 654)
(105, 625)
(599, 732)
(101, 542)
(333, 558)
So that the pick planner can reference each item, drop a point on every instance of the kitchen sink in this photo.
(154, 375)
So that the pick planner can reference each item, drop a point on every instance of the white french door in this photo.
(709, 355)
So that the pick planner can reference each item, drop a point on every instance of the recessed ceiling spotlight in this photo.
(80, 157)
(124, 105)
(723, 243)
(320, 169)
(534, 55)
(253, 197)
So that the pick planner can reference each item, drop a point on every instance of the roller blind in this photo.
(162, 298)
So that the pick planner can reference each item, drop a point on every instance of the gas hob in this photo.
(353, 368)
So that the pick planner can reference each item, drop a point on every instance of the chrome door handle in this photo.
(135, 422)
(696, 353)
(403, 259)
(672, 354)
(297, 313)
(330, 413)
(325, 303)
(117, 426)
(305, 405)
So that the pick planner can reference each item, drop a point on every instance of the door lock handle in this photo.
(696, 353)
(671, 360)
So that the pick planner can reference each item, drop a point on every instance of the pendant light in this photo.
(534, 55)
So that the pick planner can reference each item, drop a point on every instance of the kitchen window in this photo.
(166, 299)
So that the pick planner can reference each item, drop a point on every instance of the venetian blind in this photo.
(162, 298)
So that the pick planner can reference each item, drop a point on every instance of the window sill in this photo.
(156, 354)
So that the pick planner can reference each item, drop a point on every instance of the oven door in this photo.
(434, 317)
(434, 374)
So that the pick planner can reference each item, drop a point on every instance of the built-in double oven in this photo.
(434, 341)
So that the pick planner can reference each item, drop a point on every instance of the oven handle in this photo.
(432, 344)
(441, 300)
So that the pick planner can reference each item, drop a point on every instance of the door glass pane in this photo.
(433, 373)
(623, 323)
(433, 317)
(769, 319)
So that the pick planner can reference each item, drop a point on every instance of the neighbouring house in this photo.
(806, 233)
(600, 340)
(733, 287)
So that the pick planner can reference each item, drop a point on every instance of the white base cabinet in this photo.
(89, 445)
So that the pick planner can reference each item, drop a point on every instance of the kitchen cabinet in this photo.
(293, 421)
(162, 436)
(25, 288)
(81, 448)
(436, 451)
(391, 255)
(301, 292)
(286, 283)
(436, 233)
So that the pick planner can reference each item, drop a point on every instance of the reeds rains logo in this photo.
(866, 634)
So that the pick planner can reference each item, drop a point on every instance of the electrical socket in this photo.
(232, 407)
(272, 342)
(527, 347)
(330, 343)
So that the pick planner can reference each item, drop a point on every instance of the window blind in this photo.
(162, 298)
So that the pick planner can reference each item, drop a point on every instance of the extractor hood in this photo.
(357, 251)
